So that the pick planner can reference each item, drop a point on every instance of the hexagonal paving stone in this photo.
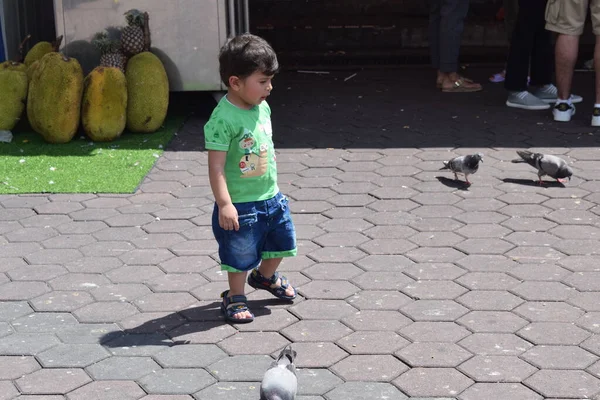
(487, 281)
(587, 301)
(120, 292)
(554, 333)
(36, 273)
(134, 274)
(106, 249)
(346, 225)
(384, 263)
(164, 301)
(559, 357)
(253, 343)
(323, 309)
(12, 291)
(90, 333)
(334, 271)
(44, 322)
(75, 281)
(590, 321)
(489, 300)
(241, 368)
(529, 224)
(432, 354)
(220, 391)
(14, 367)
(539, 272)
(495, 344)
(549, 312)
(543, 291)
(316, 331)
(433, 382)
(434, 332)
(387, 246)
(52, 381)
(499, 390)
(378, 368)
(54, 256)
(479, 231)
(433, 290)
(123, 368)
(382, 280)
(21, 344)
(369, 320)
(93, 264)
(497, 369)
(107, 311)
(30, 234)
(492, 321)
(378, 300)
(202, 332)
(431, 239)
(560, 383)
(317, 354)
(434, 310)
(435, 254)
(188, 264)
(72, 356)
(587, 281)
(177, 381)
(316, 381)
(389, 232)
(107, 390)
(328, 290)
(189, 356)
(61, 301)
(434, 271)
(337, 254)
(365, 390)
(535, 254)
(134, 344)
(372, 342)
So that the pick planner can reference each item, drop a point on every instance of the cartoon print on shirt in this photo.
(247, 142)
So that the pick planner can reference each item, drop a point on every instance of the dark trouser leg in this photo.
(521, 45)
(434, 32)
(453, 14)
(542, 55)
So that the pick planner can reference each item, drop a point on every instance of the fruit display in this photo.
(132, 36)
(41, 49)
(111, 50)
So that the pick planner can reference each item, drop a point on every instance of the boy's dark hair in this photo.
(245, 54)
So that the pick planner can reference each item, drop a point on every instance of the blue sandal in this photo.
(232, 305)
(257, 281)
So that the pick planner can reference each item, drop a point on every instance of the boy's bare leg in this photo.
(237, 282)
(566, 50)
(267, 269)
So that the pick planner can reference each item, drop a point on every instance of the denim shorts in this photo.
(266, 231)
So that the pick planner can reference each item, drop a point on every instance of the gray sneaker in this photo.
(526, 101)
(549, 93)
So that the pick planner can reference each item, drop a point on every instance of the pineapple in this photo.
(132, 36)
(112, 55)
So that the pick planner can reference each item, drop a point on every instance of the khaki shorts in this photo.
(568, 16)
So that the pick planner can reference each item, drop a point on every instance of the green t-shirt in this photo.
(247, 137)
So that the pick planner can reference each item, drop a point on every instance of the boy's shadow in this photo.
(186, 324)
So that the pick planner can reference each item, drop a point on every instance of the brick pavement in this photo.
(411, 286)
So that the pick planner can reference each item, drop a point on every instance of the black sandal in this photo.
(257, 281)
(235, 305)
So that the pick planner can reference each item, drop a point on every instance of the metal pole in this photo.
(231, 19)
(4, 50)
(246, 16)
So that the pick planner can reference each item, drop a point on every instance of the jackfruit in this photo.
(13, 86)
(54, 101)
(148, 93)
(41, 49)
(32, 68)
(13, 66)
(104, 104)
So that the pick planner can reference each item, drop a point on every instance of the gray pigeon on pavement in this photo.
(280, 381)
(465, 165)
(553, 166)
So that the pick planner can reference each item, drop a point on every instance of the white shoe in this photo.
(596, 117)
(563, 112)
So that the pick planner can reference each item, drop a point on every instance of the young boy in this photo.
(251, 218)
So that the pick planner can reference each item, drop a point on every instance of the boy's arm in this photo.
(228, 218)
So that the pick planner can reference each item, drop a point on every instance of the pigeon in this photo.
(280, 381)
(466, 165)
(553, 166)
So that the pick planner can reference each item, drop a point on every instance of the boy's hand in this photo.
(228, 218)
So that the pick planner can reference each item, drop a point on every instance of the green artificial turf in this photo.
(30, 165)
